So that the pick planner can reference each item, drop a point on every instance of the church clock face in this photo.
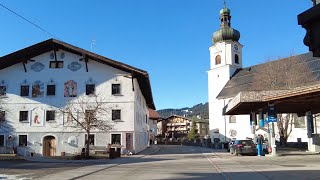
(236, 47)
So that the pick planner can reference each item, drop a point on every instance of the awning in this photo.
(298, 100)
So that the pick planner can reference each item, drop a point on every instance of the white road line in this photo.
(243, 164)
(216, 167)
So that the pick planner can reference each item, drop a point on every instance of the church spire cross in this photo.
(224, 3)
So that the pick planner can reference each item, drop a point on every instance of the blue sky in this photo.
(168, 38)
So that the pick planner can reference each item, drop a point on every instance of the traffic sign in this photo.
(272, 114)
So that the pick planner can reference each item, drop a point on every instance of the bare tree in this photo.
(285, 122)
(88, 113)
(4, 113)
(283, 74)
(2, 116)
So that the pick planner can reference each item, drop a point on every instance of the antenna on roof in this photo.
(93, 43)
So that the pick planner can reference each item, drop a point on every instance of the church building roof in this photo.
(249, 79)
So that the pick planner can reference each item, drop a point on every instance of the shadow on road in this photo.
(22, 164)
(180, 149)
(292, 175)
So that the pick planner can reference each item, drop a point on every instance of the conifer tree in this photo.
(193, 134)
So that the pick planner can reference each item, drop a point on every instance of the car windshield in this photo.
(245, 142)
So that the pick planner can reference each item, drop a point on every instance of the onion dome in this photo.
(225, 10)
(225, 32)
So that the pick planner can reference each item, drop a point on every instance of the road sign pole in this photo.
(273, 141)
(272, 117)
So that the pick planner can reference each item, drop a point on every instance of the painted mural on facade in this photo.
(37, 117)
(37, 89)
(70, 89)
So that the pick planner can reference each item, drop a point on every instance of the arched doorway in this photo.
(49, 146)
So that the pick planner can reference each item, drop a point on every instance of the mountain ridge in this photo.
(199, 110)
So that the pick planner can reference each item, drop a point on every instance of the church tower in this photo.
(225, 59)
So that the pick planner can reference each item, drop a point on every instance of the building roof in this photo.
(298, 100)
(27, 53)
(176, 116)
(199, 120)
(154, 114)
(246, 79)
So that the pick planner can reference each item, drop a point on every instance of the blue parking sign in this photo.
(272, 114)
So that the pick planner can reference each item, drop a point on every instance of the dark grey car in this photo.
(243, 147)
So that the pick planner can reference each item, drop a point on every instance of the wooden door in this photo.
(53, 147)
(49, 146)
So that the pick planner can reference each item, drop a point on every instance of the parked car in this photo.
(243, 147)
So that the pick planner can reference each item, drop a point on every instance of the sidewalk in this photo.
(152, 149)
(292, 151)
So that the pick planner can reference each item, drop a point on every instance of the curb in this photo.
(45, 160)
(152, 152)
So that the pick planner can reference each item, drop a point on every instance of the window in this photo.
(90, 115)
(116, 115)
(90, 88)
(236, 59)
(299, 122)
(1, 140)
(218, 59)
(51, 90)
(23, 140)
(23, 116)
(3, 90)
(50, 115)
(115, 89)
(232, 119)
(2, 116)
(91, 139)
(115, 138)
(24, 90)
(56, 64)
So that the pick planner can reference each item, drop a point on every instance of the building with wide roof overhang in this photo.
(235, 92)
(39, 81)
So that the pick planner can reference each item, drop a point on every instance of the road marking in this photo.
(243, 164)
(224, 176)
(112, 166)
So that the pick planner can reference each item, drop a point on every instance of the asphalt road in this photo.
(171, 162)
(175, 162)
(21, 169)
